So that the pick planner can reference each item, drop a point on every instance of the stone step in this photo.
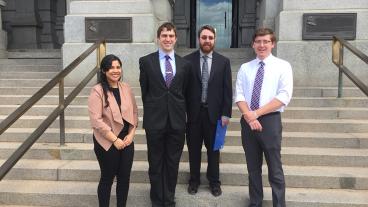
(29, 61)
(27, 82)
(289, 125)
(295, 102)
(232, 53)
(27, 75)
(230, 174)
(290, 112)
(233, 138)
(301, 156)
(30, 68)
(63, 193)
(298, 91)
(34, 54)
(32, 90)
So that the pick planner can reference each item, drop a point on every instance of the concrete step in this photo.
(65, 193)
(301, 156)
(230, 174)
(289, 125)
(233, 138)
(295, 102)
(290, 112)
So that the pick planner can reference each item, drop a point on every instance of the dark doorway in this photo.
(234, 20)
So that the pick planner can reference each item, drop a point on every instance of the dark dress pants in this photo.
(113, 163)
(164, 149)
(267, 142)
(197, 133)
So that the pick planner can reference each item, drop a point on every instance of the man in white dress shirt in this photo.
(263, 88)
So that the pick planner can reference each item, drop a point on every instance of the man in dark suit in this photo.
(209, 100)
(163, 79)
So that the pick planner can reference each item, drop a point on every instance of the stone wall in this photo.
(311, 60)
(146, 16)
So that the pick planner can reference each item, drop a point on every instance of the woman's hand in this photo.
(119, 144)
(128, 139)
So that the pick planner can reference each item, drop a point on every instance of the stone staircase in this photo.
(325, 148)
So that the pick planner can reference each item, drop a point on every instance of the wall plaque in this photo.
(322, 26)
(113, 29)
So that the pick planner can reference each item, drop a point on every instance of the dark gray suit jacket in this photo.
(219, 92)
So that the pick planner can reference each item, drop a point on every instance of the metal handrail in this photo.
(100, 46)
(338, 45)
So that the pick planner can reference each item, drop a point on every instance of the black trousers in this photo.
(164, 149)
(267, 142)
(113, 163)
(197, 133)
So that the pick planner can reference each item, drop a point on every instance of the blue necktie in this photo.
(254, 105)
(168, 71)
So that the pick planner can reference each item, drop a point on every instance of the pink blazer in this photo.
(105, 119)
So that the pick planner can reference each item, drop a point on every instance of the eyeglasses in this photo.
(204, 37)
(265, 42)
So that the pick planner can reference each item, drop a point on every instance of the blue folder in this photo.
(220, 136)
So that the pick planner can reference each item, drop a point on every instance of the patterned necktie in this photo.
(168, 71)
(254, 105)
(205, 77)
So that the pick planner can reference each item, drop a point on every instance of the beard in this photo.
(207, 48)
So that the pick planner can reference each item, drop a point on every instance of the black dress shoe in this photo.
(192, 188)
(216, 190)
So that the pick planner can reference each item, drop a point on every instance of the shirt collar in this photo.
(209, 55)
(162, 54)
(266, 60)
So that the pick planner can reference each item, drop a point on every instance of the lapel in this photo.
(116, 115)
(213, 66)
(197, 65)
(179, 69)
(156, 67)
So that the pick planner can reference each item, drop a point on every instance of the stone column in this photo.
(26, 26)
(3, 35)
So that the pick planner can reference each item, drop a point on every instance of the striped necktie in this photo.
(254, 105)
(168, 71)
(205, 77)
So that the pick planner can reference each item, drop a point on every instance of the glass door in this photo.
(217, 13)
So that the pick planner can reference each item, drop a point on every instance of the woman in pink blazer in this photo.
(114, 117)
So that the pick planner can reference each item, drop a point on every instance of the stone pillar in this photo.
(26, 26)
(267, 12)
(3, 35)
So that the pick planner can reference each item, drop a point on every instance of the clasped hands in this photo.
(251, 118)
(122, 143)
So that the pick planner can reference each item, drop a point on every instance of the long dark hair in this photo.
(106, 64)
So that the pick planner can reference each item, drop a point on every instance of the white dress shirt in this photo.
(277, 81)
